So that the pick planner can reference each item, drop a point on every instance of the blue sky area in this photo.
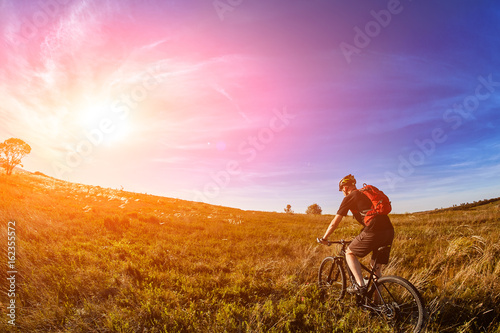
(258, 104)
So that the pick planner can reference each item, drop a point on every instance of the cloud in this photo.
(214, 85)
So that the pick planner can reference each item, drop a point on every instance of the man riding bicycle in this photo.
(377, 232)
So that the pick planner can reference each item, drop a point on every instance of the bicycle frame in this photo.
(370, 284)
(392, 298)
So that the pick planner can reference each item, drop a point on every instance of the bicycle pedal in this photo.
(356, 290)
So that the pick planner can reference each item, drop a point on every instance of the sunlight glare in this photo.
(97, 116)
(91, 114)
(121, 131)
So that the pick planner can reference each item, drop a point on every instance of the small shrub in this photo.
(133, 215)
(150, 219)
(116, 224)
(314, 209)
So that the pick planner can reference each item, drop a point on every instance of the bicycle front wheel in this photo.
(331, 278)
(400, 303)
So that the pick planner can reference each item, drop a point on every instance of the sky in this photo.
(258, 104)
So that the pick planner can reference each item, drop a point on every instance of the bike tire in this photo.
(331, 278)
(403, 306)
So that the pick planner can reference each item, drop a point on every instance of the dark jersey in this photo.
(355, 202)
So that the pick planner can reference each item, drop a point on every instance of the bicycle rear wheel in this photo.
(400, 303)
(331, 278)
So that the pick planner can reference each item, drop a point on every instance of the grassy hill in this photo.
(91, 259)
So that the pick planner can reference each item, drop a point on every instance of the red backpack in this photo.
(380, 202)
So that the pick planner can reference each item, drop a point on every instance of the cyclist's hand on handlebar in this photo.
(322, 241)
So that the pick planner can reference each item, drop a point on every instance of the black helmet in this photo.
(347, 180)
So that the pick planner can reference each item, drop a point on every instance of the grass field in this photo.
(90, 259)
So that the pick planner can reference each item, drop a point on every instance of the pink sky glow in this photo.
(256, 106)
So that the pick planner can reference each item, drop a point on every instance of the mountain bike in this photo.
(391, 298)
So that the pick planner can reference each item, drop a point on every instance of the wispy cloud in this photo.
(213, 87)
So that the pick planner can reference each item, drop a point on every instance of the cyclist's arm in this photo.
(333, 225)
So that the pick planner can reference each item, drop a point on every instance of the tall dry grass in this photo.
(102, 260)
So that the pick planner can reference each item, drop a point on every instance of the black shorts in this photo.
(379, 233)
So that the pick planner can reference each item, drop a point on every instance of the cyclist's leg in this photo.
(384, 235)
(359, 248)
(378, 268)
(355, 267)
(384, 239)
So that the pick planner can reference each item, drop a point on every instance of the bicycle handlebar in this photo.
(342, 242)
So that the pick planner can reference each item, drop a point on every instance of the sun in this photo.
(91, 114)
(98, 119)
(120, 132)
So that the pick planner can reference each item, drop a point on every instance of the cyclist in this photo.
(379, 232)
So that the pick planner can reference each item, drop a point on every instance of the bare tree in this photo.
(11, 152)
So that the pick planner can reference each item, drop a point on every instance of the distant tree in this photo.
(314, 209)
(11, 152)
(288, 209)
